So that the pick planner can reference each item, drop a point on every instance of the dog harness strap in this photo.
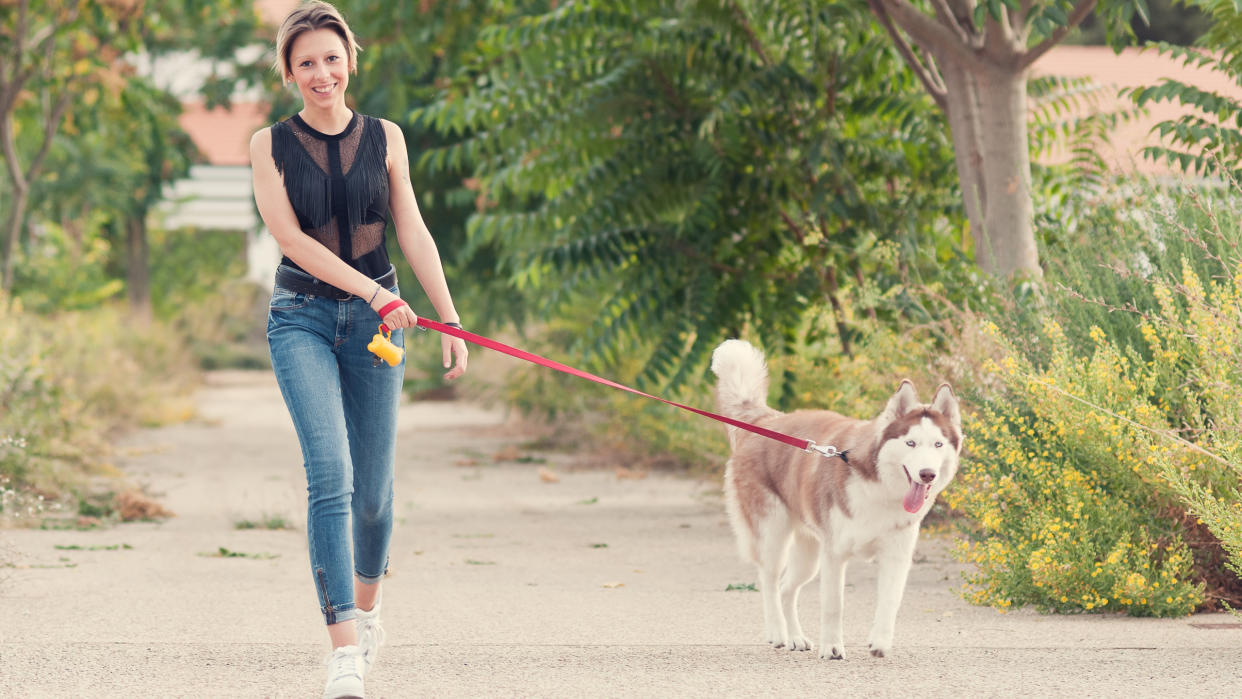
(803, 444)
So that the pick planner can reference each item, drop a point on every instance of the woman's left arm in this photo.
(418, 246)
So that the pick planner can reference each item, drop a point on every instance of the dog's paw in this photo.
(831, 653)
(799, 643)
(879, 651)
(775, 638)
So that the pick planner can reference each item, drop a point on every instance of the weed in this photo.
(223, 552)
(271, 522)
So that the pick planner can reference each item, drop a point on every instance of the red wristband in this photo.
(390, 307)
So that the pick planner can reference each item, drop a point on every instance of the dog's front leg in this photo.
(894, 561)
(832, 602)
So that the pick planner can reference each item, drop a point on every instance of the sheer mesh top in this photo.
(338, 186)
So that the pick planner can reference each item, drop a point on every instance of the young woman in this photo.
(326, 181)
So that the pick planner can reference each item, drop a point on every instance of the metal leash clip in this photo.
(827, 451)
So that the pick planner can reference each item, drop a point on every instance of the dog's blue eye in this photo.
(910, 443)
(939, 444)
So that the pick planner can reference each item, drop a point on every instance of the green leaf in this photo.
(996, 9)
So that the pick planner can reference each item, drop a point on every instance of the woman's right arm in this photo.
(280, 219)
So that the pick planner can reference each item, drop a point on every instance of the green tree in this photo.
(1207, 140)
(410, 52)
(1174, 21)
(63, 58)
(694, 169)
(973, 57)
(46, 54)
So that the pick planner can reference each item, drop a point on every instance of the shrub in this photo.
(1103, 465)
(69, 381)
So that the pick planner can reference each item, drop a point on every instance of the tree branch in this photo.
(10, 156)
(930, 35)
(1076, 16)
(1017, 17)
(999, 41)
(793, 226)
(947, 18)
(49, 130)
(931, 81)
(740, 15)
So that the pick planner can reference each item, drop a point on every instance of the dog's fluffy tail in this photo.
(742, 385)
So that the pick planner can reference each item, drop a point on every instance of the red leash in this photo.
(803, 444)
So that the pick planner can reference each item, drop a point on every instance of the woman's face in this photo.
(319, 66)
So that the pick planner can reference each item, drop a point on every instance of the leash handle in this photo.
(803, 444)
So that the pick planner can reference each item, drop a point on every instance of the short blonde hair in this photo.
(308, 17)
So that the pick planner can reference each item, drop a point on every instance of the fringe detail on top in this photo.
(309, 188)
(366, 185)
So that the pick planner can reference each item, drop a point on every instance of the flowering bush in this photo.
(1066, 500)
(1104, 465)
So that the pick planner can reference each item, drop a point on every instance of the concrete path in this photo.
(505, 585)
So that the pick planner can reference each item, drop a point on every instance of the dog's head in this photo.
(918, 445)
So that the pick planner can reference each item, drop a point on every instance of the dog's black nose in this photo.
(927, 475)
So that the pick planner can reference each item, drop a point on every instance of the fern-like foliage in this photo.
(1072, 115)
(1207, 141)
(692, 169)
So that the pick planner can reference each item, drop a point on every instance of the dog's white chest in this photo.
(864, 537)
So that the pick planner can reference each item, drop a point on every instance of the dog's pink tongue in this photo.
(915, 497)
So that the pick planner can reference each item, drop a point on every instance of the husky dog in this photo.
(796, 513)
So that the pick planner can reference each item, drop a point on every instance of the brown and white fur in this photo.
(797, 513)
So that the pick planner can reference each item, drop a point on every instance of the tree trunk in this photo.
(13, 228)
(838, 313)
(963, 115)
(977, 75)
(1009, 217)
(136, 256)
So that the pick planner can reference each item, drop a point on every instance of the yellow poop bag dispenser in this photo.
(382, 347)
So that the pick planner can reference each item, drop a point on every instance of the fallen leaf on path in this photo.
(509, 453)
(466, 462)
(132, 505)
(547, 476)
(624, 473)
(611, 586)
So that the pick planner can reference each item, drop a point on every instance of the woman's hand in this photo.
(453, 347)
(400, 317)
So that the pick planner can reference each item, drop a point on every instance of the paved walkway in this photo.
(505, 585)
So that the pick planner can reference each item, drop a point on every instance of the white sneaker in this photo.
(345, 670)
(370, 633)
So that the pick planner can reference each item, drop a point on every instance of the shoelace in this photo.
(343, 663)
(373, 630)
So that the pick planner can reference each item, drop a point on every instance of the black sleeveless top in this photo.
(338, 186)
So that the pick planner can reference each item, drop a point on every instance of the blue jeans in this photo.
(344, 409)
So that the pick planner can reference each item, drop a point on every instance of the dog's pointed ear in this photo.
(902, 402)
(946, 404)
